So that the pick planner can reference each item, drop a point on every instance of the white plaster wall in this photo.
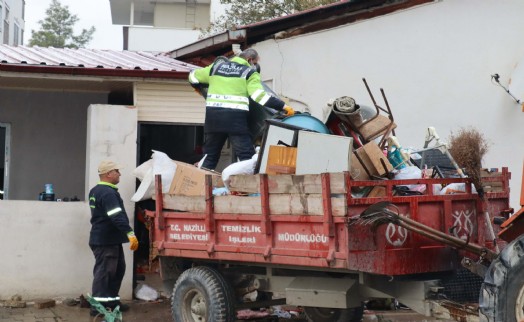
(160, 39)
(112, 134)
(45, 251)
(16, 8)
(45, 244)
(434, 63)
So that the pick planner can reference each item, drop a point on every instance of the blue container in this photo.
(48, 188)
(307, 121)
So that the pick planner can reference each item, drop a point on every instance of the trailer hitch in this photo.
(385, 212)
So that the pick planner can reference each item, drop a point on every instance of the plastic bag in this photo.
(241, 167)
(146, 293)
(160, 164)
(411, 172)
(453, 188)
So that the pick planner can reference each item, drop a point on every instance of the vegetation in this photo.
(244, 12)
(56, 30)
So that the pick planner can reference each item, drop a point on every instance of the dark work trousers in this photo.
(109, 270)
(241, 143)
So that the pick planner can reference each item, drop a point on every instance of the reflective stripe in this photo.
(107, 299)
(234, 106)
(192, 78)
(92, 207)
(244, 74)
(114, 211)
(92, 198)
(256, 94)
(230, 98)
(264, 99)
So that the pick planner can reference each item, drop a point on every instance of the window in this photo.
(16, 38)
(6, 26)
(1, 16)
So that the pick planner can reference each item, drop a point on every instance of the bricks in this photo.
(43, 304)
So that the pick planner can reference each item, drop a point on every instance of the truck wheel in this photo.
(321, 314)
(201, 294)
(502, 293)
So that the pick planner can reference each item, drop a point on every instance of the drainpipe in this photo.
(132, 14)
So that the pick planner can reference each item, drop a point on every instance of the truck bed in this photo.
(307, 221)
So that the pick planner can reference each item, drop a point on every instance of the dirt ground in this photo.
(141, 311)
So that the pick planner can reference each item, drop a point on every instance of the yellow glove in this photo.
(289, 110)
(133, 242)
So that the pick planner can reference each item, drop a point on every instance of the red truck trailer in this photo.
(304, 240)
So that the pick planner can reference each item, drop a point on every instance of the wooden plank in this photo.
(279, 204)
(309, 183)
(44, 303)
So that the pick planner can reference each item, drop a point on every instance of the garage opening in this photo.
(4, 159)
(180, 142)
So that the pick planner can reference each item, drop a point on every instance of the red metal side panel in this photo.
(296, 240)
(327, 241)
(392, 250)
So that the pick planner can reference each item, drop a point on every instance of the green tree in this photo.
(244, 12)
(56, 30)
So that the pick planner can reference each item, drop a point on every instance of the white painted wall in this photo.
(16, 9)
(159, 39)
(45, 244)
(434, 63)
(112, 134)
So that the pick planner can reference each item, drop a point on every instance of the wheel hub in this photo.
(198, 306)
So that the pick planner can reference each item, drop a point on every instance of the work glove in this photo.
(289, 110)
(133, 242)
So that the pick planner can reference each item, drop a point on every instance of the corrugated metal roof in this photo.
(125, 61)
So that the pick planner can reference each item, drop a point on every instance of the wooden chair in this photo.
(381, 124)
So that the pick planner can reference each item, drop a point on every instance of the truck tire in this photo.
(502, 293)
(201, 294)
(319, 314)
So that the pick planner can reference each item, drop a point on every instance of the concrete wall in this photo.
(48, 135)
(112, 134)
(45, 244)
(174, 15)
(16, 8)
(45, 251)
(434, 63)
(159, 39)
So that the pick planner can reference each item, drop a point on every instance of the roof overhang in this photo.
(324, 17)
(94, 72)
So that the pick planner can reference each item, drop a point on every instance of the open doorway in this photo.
(5, 139)
(180, 142)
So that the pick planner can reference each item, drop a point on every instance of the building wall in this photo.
(434, 63)
(174, 103)
(178, 15)
(48, 137)
(13, 33)
(45, 244)
(159, 39)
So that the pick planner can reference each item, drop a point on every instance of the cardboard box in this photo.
(190, 180)
(377, 191)
(371, 156)
(281, 160)
(357, 169)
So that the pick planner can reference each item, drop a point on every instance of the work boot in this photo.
(123, 307)
(93, 312)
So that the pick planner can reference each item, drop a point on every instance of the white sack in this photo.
(237, 168)
(160, 164)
